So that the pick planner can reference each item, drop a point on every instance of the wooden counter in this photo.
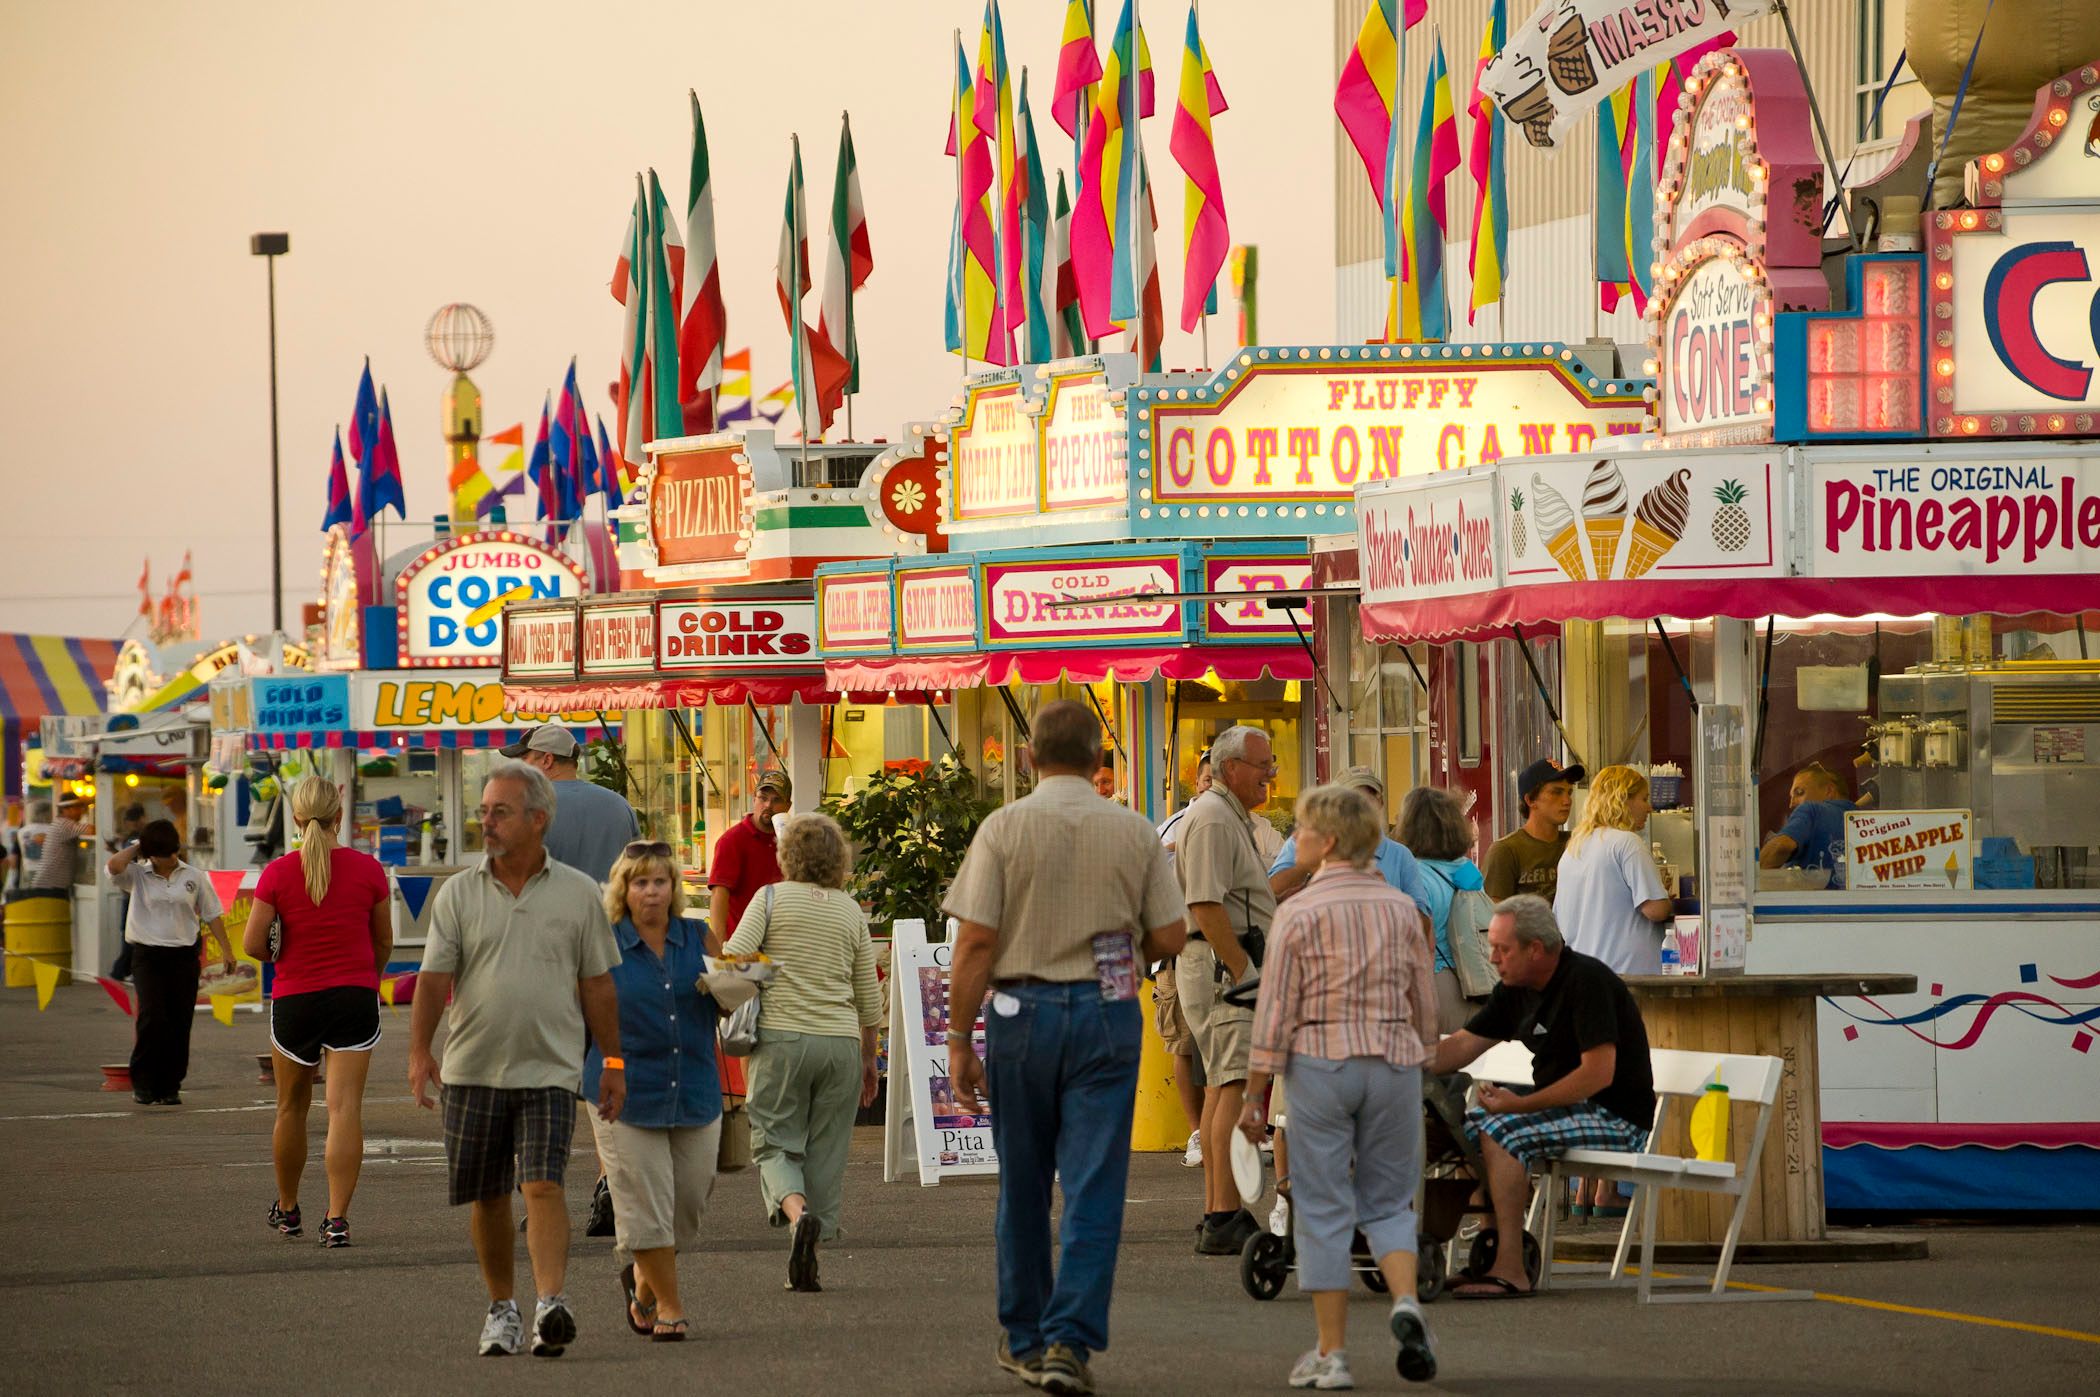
(1770, 1015)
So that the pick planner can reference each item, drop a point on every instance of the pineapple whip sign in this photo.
(1621, 518)
(1908, 849)
(1291, 433)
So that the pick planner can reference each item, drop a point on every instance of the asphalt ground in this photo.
(134, 1256)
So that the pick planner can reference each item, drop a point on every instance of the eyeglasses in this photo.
(645, 849)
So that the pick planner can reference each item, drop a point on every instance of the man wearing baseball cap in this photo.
(746, 857)
(591, 824)
(1527, 859)
(1394, 860)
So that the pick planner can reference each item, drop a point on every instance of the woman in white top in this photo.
(1611, 903)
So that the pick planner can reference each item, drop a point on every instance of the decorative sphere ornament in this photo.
(459, 336)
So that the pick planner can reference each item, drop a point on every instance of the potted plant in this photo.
(910, 826)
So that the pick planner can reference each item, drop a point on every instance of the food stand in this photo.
(1884, 585)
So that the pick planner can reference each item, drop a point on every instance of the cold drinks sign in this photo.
(450, 600)
(736, 635)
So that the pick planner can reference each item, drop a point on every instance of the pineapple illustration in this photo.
(1731, 520)
(1518, 535)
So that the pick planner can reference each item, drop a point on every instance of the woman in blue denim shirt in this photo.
(1434, 826)
(659, 1156)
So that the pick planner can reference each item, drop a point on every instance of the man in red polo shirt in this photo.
(745, 857)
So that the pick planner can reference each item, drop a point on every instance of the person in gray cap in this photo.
(591, 824)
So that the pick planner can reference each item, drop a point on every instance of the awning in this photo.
(418, 738)
(922, 672)
(53, 674)
(1483, 615)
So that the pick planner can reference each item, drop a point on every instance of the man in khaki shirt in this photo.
(1225, 880)
(1061, 899)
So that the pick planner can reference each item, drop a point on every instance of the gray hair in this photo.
(1532, 920)
(539, 791)
(1231, 744)
(813, 850)
(39, 812)
(1348, 816)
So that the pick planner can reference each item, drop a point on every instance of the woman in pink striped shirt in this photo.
(1347, 1016)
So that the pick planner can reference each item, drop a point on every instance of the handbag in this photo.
(734, 1151)
(1466, 930)
(740, 1028)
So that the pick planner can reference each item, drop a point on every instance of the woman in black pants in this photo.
(169, 900)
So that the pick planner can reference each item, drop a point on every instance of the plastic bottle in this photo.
(1672, 964)
(1710, 1123)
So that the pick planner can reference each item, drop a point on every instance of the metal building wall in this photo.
(1550, 291)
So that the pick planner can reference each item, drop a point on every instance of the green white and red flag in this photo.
(820, 372)
(703, 326)
(849, 259)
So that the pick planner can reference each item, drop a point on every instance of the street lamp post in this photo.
(270, 247)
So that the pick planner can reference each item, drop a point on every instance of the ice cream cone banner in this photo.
(222, 1008)
(1604, 544)
(1647, 548)
(1566, 548)
(47, 973)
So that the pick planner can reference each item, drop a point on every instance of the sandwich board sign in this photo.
(923, 1121)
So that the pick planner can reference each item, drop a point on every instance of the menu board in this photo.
(1722, 772)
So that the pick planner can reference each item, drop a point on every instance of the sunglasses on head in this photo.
(646, 848)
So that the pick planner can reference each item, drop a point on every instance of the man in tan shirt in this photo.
(1061, 899)
(1225, 880)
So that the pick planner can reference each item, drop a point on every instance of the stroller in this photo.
(1451, 1172)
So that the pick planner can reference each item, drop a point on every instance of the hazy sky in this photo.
(426, 151)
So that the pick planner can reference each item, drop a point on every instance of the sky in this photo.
(421, 152)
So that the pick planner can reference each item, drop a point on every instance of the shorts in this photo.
(1223, 1032)
(342, 1020)
(1536, 1137)
(1167, 1017)
(496, 1135)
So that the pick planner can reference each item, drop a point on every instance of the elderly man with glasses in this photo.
(1225, 881)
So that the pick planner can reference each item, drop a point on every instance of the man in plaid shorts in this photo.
(521, 946)
(1592, 1085)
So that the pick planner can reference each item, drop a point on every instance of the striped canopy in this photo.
(47, 674)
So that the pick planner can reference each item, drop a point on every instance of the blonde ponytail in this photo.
(315, 803)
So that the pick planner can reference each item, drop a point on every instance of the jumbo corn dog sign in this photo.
(1279, 441)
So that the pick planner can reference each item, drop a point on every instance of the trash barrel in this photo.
(39, 928)
(1159, 1125)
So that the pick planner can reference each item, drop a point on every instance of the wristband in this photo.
(617, 1064)
(954, 1037)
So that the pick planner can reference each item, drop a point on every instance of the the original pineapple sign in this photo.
(1909, 849)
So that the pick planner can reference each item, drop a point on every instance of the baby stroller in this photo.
(1451, 1172)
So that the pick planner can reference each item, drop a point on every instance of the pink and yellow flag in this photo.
(1426, 223)
(973, 288)
(995, 118)
(1488, 159)
(1369, 86)
(1107, 175)
(1205, 236)
(1078, 67)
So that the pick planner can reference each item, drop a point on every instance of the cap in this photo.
(551, 738)
(775, 779)
(1361, 778)
(1546, 769)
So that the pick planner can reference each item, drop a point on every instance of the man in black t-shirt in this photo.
(1592, 1085)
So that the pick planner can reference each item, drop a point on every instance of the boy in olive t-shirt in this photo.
(1527, 859)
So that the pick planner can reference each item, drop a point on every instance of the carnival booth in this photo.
(404, 704)
(710, 651)
(1869, 547)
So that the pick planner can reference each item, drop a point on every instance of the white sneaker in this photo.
(1329, 1372)
(553, 1327)
(1192, 1157)
(1280, 1216)
(1417, 1357)
(503, 1332)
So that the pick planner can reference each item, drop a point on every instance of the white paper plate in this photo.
(1246, 1169)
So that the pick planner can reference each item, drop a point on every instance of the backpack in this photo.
(1466, 930)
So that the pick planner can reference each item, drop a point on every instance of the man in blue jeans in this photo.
(1061, 899)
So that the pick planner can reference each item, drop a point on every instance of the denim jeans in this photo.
(1062, 1070)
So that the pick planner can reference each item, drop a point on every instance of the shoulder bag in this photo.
(1466, 930)
(740, 1026)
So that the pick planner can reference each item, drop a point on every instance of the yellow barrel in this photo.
(39, 927)
(1159, 1124)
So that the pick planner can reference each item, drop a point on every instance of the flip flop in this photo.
(645, 1325)
(1503, 1290)
(668, 1331)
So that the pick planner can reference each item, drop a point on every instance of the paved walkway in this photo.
(136, 1258)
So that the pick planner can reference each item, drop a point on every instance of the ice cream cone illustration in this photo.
(1604, 514)
(1533, 110)
(1953, 870)
(1658, 522)
(1568, 58)
(1557, 525)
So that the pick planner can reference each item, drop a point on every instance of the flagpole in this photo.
(795, 341)
(846, 253)
(962, 307)
(1134, 141)
(1443, 252)
(1400, 148)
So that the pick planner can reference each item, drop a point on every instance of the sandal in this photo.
(1500, 1289)
(668, 1331)
(641, 1321)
